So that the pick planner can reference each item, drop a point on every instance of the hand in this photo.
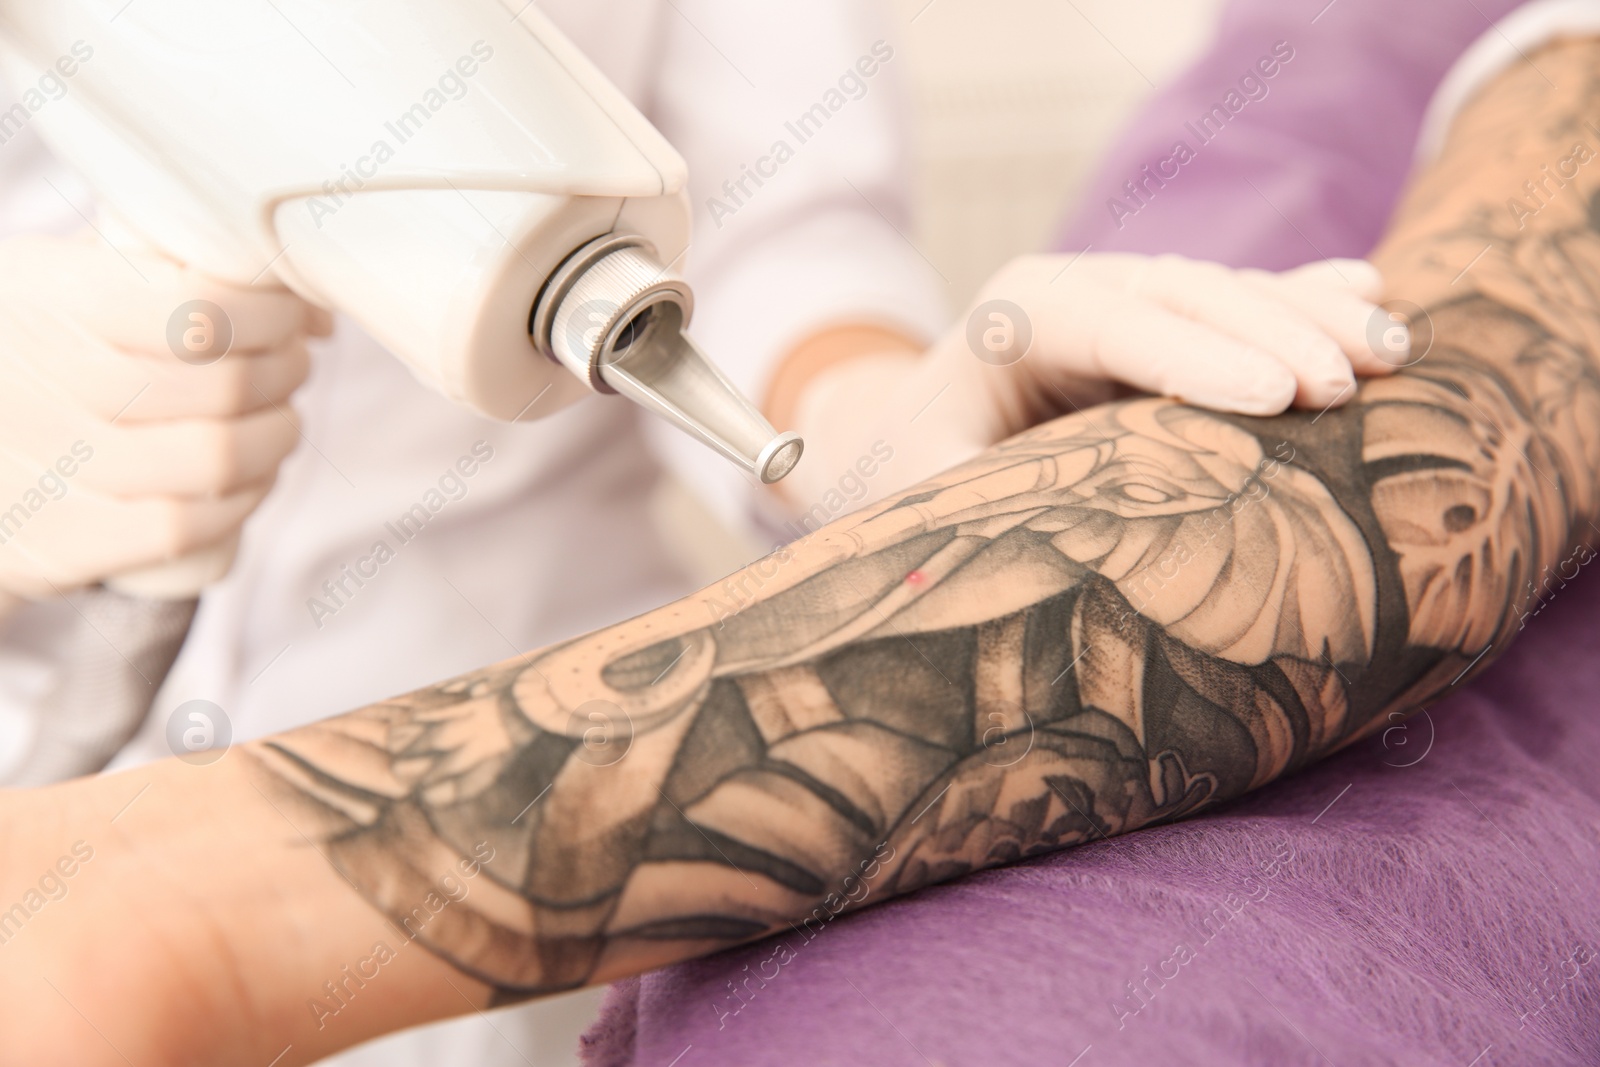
(134, 429)
(1248, 341)
(1049, 334)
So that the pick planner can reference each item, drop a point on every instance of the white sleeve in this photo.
(1508, 41)
(792, 120)
(30, 670)
(37, 194)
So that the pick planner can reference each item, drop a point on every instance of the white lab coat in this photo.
(553, 535)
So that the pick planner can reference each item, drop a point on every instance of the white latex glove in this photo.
(1246, 341)
(115, 454)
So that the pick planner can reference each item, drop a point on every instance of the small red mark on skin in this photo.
(916, 578)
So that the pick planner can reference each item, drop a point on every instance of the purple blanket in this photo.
(1311, 163)
(1424, 898)
(1365, 912)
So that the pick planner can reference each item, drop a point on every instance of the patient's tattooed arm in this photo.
(1115, 619)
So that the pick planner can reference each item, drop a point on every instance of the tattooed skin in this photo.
(1108, 622)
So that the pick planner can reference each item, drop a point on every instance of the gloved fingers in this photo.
(117, 384)
(234, 385)
(63, 544)
(1198, 331)
(134, 388)
(1159, 351)
(1333, 296)
(189, 457)
(319, 321)
(164, 529)
(1363, 330)
(1355, 275)
(1231, 304)
(140, 300)
(46, 422)
(206, 318)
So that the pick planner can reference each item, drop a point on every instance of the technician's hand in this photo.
(136, 423)
(1049, 334)
(1248, 341)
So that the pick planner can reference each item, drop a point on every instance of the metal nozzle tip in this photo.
(781, 456)
(642, 352)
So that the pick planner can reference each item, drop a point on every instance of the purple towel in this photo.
(1424, 898)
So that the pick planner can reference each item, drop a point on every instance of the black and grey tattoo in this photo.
(1107, 622)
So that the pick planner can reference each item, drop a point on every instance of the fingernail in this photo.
(1274, 395)
(1335, 389)
(1253, 398)
(1340, 382)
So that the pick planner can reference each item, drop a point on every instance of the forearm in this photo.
(1509, 274)
(1110, 621)
(951, 680)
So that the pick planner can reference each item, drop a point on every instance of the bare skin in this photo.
(1113, 620)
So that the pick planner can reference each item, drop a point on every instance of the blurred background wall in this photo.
(1013, 103)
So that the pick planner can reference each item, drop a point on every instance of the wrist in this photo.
(202, 927)
(322, 968)
(821, 353)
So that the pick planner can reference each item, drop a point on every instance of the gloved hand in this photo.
(115, 453)
(1049, 334)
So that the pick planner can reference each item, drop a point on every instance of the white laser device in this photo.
(452, 174)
